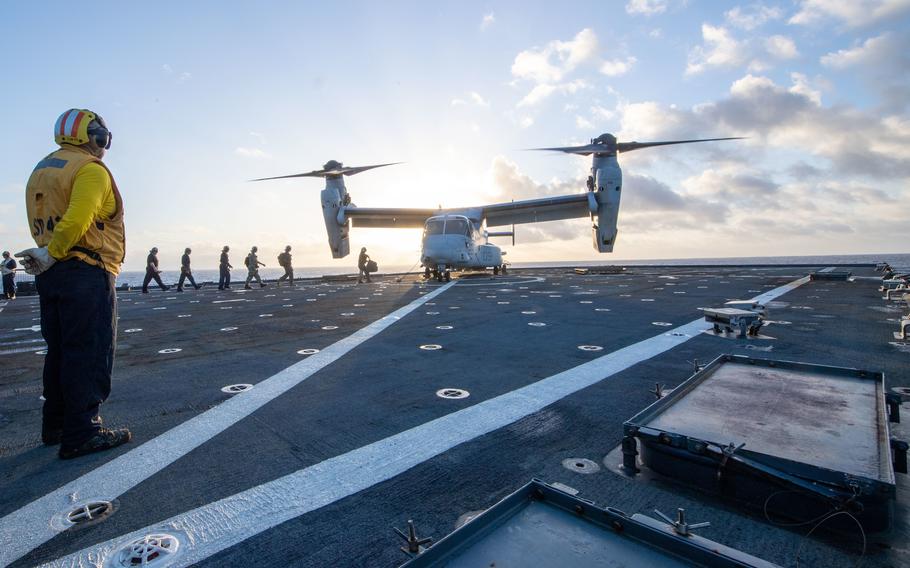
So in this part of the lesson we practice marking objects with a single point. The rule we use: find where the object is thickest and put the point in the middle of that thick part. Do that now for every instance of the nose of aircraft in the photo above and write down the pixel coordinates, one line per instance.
(443, 249)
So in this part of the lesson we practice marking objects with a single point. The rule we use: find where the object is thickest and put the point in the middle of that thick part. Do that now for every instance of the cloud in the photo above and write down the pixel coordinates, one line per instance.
(884, 63)
(548, 67)
(850, 13)
(719, 49)
(802, 86)
(552, 62)
(543, 91)
(617, 67)
(752, 17)
(646, 7)
(583, 123)
(853, 143)
(251, 152)
(474, 98)
(781, 47)
(167, 68)
(874, 51)
(487, 20)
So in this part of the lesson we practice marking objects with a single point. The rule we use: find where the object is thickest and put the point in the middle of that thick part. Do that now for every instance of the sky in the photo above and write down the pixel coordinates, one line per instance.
(202, 96)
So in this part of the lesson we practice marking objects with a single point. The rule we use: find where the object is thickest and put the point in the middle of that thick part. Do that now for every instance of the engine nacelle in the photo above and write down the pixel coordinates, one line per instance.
(607, 191)
(332, 202)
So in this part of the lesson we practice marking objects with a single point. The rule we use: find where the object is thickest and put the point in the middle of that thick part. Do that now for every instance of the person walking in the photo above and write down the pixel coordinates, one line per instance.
(362, 261)
(284, 260)
(8, 270)
(252, 266)
(185, 272)
(75, 215)
(224, 270)
(152, 272)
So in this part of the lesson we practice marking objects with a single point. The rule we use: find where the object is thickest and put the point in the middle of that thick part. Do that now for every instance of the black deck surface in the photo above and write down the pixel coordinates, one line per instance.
(388, 385)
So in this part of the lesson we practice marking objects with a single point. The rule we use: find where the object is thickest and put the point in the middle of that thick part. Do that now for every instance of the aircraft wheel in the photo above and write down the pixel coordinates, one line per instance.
(426, 273)
(495, 270)
(503, 269)
(448, 276)
(438, 276)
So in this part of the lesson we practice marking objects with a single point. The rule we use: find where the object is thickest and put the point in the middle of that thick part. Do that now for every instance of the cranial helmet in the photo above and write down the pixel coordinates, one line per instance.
(78, 126)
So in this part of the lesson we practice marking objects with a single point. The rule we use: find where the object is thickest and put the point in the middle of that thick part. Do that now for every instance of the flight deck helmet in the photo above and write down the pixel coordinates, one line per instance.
(79, 126)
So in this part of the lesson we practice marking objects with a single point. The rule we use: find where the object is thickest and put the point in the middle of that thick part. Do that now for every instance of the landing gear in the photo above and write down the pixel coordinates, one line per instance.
(495, 271)
(503, 269)
(448, 276)
(438, 275)
(426, 273)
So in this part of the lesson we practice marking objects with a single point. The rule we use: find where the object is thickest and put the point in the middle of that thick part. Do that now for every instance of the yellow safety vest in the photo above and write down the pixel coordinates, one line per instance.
(47, 197)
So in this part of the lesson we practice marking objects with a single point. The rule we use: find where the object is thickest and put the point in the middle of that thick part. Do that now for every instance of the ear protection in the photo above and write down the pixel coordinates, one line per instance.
(102, 137)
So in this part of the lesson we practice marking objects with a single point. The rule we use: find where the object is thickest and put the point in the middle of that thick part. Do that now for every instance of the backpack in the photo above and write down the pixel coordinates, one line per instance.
(246, 261)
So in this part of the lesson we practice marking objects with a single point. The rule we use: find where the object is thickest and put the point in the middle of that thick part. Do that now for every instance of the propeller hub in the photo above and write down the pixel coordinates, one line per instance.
(607, 139)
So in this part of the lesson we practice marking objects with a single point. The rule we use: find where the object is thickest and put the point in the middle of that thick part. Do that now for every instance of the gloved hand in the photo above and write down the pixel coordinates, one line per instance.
(36, 260)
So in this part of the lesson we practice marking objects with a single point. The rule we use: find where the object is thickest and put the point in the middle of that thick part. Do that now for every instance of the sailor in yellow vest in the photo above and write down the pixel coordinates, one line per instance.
(75, 215)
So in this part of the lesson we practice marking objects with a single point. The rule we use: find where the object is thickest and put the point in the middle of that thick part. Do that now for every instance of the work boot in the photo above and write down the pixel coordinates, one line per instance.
(180, 289)
(262, 285)
(104, 440)
(247, 287)
(51, 436)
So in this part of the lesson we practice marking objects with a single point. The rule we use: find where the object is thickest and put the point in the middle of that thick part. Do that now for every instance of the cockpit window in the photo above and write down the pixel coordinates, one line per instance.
(456, 227)
(434, 227)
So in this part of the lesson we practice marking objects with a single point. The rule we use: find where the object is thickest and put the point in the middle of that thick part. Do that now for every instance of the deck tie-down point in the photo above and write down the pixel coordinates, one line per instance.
(680, 526)
(415, 545)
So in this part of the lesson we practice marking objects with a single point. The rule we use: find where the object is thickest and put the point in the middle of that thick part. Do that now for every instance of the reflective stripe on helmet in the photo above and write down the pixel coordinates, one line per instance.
(76, 123)
(58, 128)
(70, 123)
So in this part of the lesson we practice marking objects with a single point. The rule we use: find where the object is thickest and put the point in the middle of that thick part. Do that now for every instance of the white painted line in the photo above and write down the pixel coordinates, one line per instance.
(217, 526)
(119, 475)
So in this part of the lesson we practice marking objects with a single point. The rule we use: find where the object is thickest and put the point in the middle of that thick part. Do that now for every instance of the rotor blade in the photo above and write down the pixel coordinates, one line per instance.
(333, 172)
(629, 146)
(314, 173)
(357, 170)
(582, 150)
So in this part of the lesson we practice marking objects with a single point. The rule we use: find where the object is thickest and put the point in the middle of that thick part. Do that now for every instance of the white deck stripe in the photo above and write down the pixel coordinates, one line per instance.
(27, 528)
(214, 527)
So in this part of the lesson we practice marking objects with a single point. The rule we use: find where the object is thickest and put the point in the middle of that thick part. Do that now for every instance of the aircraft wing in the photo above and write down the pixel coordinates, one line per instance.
(388, 217)
(543, 209)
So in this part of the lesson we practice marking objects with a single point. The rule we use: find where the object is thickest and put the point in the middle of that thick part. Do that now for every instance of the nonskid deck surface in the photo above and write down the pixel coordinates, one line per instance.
(331, 449)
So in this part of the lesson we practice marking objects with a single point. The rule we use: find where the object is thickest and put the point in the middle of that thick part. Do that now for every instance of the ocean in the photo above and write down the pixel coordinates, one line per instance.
(900, 262)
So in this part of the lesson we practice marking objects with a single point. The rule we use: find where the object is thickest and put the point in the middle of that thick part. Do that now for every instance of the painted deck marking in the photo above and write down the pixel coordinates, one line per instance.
(217, 526)
(117, 476)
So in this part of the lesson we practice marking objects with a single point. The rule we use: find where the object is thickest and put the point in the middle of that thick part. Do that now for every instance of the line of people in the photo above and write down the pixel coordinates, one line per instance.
(153, 272)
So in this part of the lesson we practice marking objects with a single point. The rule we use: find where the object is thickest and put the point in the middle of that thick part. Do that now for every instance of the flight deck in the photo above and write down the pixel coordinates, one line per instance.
(299, 426)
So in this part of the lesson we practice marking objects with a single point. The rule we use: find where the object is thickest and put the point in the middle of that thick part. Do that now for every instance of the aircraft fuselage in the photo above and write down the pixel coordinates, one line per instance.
(456, 242)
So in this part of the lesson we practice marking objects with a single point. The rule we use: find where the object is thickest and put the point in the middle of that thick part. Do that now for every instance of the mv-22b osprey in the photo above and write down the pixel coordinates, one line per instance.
(458, 239)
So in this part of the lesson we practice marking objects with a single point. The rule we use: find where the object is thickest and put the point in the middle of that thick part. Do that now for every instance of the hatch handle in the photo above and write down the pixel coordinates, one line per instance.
(893, 400)
(899, 455)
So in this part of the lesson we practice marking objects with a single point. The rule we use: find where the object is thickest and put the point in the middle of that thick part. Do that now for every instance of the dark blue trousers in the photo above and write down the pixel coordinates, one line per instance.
(79, 323)
(9, 285)
(224, 277)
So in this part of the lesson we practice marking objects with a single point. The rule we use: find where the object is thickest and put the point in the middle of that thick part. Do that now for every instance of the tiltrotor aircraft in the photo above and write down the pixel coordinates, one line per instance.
(458, 238)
